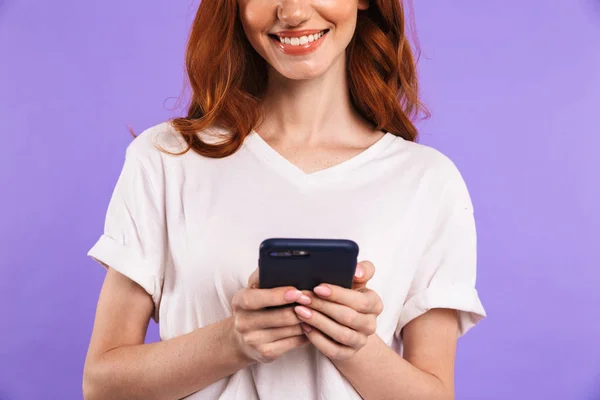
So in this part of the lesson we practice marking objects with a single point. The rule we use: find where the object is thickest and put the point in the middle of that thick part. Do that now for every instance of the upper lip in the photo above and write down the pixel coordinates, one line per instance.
(304, 32)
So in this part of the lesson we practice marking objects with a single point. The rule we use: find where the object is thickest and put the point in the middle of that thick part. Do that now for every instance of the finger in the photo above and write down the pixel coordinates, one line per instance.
(340, 333)
(328, 347)
(257, 299)
(364, 301)
(257, 338)
(248, 321)
(253, 280)
(363, 274)
(344, 315)
(272, 351)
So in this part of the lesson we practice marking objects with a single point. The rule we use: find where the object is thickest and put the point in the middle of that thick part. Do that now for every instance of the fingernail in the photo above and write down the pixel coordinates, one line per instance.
(303, 311)
(304, 299)
(306, 328)
(322, 291)
(360, 272)
(292, 295)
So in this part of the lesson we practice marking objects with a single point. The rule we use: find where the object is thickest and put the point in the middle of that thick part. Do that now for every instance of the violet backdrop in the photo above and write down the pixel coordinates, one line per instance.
(514, 88)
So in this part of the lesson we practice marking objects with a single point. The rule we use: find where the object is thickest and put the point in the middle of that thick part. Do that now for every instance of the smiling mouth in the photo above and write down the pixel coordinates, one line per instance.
(298, 40)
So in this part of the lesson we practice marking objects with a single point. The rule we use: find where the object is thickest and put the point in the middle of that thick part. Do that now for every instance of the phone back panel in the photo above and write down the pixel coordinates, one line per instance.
(330, 261)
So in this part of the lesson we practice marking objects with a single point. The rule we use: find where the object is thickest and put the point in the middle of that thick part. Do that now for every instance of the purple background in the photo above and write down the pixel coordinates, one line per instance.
(514, 87)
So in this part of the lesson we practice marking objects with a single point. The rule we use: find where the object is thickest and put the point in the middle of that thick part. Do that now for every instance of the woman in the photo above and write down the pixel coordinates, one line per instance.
(300, 126)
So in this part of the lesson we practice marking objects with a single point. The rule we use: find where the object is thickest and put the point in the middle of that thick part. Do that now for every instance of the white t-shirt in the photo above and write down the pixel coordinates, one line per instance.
(188, 228)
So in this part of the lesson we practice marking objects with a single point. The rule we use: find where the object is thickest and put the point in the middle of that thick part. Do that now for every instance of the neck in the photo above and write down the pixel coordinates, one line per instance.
(312, 110)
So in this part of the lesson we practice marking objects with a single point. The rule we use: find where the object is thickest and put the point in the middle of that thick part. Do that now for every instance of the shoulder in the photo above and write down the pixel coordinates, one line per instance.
(162, 148)
(164, 141)
(155, 141)
(429, 162)
(432, 175)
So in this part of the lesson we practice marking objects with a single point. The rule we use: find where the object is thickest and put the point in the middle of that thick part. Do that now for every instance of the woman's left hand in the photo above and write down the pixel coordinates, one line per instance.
(348, 316)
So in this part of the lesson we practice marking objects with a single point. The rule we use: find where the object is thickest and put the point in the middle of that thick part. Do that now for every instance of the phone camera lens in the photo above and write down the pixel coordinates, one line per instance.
(280, 253)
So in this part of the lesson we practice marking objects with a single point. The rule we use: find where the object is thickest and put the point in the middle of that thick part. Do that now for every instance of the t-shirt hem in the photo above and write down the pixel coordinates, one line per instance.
(109, 253)
(457, 297)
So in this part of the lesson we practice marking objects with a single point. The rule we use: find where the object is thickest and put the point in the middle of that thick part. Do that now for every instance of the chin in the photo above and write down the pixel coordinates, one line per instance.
(303, 73)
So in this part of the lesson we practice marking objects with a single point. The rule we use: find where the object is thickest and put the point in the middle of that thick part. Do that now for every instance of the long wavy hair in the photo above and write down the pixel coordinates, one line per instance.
(228, 78)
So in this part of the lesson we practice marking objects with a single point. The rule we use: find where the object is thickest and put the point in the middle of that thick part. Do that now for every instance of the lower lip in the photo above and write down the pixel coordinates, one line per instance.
(300, 50)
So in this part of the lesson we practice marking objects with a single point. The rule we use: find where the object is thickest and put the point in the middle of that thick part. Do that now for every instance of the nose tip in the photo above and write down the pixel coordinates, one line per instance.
(293, 12)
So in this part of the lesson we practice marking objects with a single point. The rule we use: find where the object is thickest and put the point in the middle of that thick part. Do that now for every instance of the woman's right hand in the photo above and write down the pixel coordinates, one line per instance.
(264, 335)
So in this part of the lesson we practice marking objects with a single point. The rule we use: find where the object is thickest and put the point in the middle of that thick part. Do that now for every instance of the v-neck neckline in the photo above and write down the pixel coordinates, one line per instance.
(292, 172)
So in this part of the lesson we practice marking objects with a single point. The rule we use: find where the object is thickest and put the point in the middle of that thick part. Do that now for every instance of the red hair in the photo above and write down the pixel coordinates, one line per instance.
(228, 77)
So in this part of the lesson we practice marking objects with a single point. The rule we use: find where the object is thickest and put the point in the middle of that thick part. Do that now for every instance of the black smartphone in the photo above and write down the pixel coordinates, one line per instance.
(306, 263)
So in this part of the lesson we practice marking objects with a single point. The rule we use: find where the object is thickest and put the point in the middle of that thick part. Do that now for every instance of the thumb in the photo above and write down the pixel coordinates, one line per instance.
(253, 280)
(364, 272)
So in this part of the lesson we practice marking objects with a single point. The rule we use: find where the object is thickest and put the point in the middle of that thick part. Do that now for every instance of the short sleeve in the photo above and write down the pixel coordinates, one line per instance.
(134, 239)
(446, 270)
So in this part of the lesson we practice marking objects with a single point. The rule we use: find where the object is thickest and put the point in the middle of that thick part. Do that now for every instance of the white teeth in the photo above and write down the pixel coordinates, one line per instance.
(297, 41)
